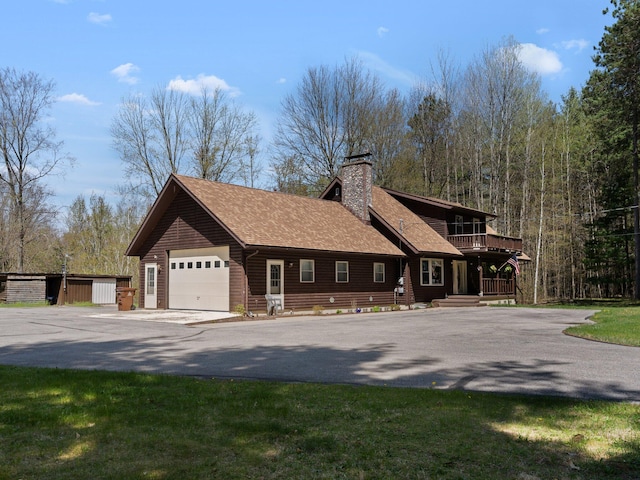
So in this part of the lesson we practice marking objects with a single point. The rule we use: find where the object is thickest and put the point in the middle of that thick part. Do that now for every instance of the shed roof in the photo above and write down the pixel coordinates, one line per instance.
(444, 204)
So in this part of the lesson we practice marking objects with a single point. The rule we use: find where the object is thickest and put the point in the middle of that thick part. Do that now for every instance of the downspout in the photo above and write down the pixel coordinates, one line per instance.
(246, 279)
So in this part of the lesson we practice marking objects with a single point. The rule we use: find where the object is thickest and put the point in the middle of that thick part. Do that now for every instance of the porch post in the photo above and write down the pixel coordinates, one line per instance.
(480, 275)
(408, 285)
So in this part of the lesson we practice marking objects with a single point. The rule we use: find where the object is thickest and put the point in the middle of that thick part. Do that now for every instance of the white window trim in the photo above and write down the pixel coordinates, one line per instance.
(459, 225)
(430, 262)
(313, 270)
(384, 276)
(477, 226)
(341, 262)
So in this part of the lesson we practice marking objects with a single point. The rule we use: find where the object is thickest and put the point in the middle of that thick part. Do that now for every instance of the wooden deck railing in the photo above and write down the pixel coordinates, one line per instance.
(498, 286)
(485, 241)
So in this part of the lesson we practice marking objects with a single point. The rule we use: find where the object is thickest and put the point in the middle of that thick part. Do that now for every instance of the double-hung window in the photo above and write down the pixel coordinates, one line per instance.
(342, 272)
(431, 271)
(307, 271)
(378, 272)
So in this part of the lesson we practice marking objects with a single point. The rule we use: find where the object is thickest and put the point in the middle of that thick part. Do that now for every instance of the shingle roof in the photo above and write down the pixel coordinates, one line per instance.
(414, 231)
(272, 219)
(440, 202)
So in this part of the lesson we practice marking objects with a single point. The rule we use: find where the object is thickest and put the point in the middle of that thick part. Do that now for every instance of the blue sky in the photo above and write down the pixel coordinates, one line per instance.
(98, 51)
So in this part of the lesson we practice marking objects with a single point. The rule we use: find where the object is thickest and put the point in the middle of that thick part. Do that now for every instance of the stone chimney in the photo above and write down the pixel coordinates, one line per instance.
(357, 179)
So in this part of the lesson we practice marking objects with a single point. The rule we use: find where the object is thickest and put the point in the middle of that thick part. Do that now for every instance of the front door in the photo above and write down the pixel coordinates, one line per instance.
(460, 277)
(151, 286)
(275, 279)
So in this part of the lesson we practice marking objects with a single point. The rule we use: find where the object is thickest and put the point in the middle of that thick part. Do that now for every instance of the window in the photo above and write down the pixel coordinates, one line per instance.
(477, 226)
(198, 264)
(173, 265)
(307, 271)
(207, 264)
(342, 272)
(189, 264)
(459, 225)
(378, 272)
(226, 264)
(431, 271)
(216, 264)
(181, 265)
(151, 280)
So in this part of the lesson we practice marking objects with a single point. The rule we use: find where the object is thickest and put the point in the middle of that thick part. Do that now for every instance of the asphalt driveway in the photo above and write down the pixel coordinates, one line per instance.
(479, 349)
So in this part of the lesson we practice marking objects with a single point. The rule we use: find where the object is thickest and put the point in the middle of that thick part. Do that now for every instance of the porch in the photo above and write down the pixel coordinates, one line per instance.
(473, 300)
(484, 242)
(498, 286)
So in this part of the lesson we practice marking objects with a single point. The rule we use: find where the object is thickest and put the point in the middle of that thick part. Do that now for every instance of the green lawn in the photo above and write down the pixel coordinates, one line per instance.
(613, 324)
(61, 424)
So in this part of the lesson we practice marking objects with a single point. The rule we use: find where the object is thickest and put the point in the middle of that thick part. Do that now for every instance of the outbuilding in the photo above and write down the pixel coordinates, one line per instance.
(59, 288)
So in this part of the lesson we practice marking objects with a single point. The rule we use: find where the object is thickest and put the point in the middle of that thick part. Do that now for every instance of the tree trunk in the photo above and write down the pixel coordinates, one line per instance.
(541, 220)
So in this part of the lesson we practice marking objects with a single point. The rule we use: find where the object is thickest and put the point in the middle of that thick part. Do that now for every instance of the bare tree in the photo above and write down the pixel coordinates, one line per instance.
(327, 118)
(29, 150)
(386, 139)
(98, 233)
(149, 134)
(497, 87)
(172, 133)
(429, 128)
(252, 168)
(220, 132)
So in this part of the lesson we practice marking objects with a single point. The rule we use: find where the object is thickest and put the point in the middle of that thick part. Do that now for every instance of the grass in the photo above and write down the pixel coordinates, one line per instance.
(61, 424)
(614, 323)
(44, 304)
(24, 304)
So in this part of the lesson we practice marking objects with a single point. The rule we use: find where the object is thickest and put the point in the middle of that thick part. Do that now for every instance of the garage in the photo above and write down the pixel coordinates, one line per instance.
(199, 279)
(103, 291)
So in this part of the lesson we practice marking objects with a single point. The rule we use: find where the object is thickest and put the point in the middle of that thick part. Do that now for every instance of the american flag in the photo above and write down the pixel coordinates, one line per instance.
(513, 261)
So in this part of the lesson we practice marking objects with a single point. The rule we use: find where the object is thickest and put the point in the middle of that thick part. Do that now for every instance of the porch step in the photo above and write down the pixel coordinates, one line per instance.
(459, 301)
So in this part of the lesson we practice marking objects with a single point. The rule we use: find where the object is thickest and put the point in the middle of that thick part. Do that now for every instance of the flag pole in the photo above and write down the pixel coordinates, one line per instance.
(502, 266)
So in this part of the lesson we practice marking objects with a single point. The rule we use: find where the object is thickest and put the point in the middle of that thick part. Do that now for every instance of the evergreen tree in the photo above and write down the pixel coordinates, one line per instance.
(612, 95)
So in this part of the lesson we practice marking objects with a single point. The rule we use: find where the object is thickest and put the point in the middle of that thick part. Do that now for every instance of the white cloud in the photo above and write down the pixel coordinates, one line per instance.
(99, 18)
(195, 86)
(281, 80)
(382, 31)
(374, 62)
(77, 98)
(539, 59)
(125, 73)
(579, 45)
(542, 31)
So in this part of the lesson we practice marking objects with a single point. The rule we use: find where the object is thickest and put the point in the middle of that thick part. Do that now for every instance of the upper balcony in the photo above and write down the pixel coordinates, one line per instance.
(485, 242)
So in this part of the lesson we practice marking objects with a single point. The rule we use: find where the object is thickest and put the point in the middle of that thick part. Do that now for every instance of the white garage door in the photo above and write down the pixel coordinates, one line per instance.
(199, 279)
(103, 291)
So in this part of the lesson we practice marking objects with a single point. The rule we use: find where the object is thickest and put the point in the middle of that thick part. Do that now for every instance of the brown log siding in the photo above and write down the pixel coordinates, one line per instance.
(186, 225)
(426, 294)
(25, 288)
(304, 296)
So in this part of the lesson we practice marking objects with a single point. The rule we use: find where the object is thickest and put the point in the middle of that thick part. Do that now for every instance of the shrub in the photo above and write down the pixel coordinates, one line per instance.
(317, 309)
(239, 309)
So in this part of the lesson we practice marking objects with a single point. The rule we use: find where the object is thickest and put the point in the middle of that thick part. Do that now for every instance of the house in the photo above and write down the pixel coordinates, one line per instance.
(459, 255)
(212, 246)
